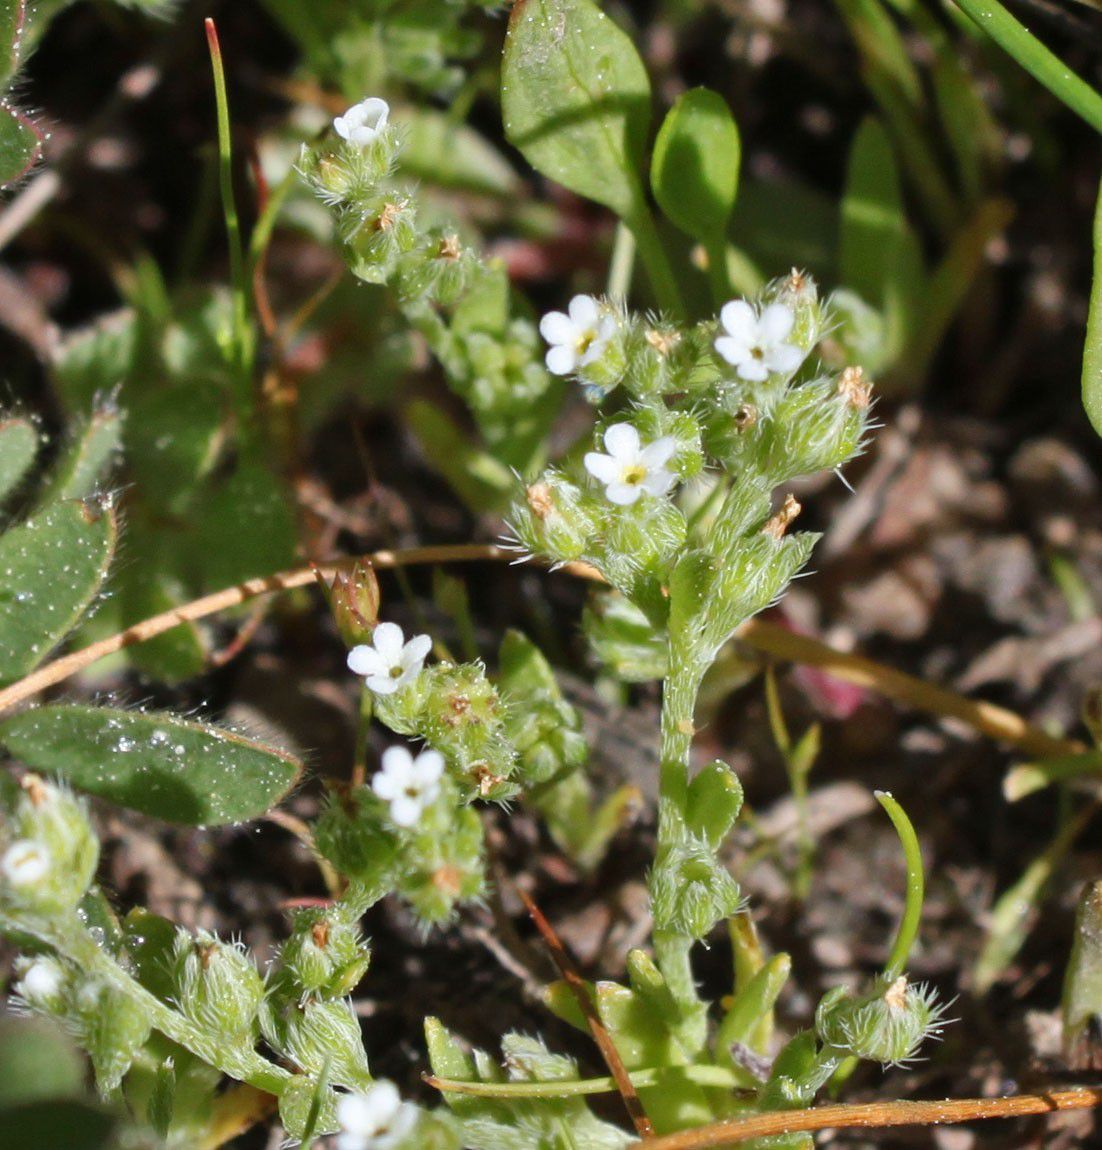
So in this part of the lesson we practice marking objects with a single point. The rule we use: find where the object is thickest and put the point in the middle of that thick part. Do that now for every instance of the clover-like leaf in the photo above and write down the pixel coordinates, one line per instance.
(161, 765)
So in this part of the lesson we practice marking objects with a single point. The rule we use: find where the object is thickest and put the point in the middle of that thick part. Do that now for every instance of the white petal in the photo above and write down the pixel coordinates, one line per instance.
(658, 452)
(375, 112)
(658, 482)
(584, 312)
(734, 351)
(365, 660)
(405, 810)
(739, 320)
(342, 127)
(784, 357)
(356, 1115)
(775, 323)
(416, 650)
(363, 135)
(397, 760)
(561, 359)
(556, 327)
(622, 441)
(428, 767)
(753, 370)
(623, 494)
(382, 684)
(602, 467)
(386, 786)
(388, 640)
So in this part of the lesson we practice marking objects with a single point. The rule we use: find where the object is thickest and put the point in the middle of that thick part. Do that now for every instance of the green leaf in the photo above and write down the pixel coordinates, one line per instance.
(87, 458)
(58, 1122)
(158, 764)
(12, 15)
(172, 440)
(18, 447)
(695, 167)
(477, 477)
(52, 565)
(576, 99)
(1092, 352)
(37, 1062)
(20, 144)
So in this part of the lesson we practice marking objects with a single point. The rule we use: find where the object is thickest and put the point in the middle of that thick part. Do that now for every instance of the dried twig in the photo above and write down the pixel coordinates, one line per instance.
(878, 1114)
(601, 1036)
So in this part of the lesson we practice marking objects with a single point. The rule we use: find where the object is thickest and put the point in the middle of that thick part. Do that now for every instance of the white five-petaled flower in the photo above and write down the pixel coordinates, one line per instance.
(41, 981)
(389, 663)
(577, 336)
(363, 122)
(408, 784)
(755, 344)
(25, 863)
(378, 1119)
(629, 468)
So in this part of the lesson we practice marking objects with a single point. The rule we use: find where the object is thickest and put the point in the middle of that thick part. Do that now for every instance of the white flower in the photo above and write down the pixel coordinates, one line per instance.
(375, 1120)
(389, 662)
(755, 344)
(25, 863)
(41, 981)
(629, 469)
(577, 338)
(363, 122)
(409, 784)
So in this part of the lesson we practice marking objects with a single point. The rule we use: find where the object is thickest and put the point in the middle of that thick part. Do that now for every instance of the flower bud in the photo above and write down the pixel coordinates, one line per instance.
(324, 956)
(886, 1025)
(216, 986)
(317, 1035)
(443, 864)
(112, 1027)
(690, 890)
(555, 519)
(42, 983)
(380, 237)
(353, 597)
(50, 859)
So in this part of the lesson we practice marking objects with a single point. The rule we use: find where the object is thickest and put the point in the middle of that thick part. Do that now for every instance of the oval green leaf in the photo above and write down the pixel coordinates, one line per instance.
(158, 764)
(576, 99)
(695, 168)
(51, 567)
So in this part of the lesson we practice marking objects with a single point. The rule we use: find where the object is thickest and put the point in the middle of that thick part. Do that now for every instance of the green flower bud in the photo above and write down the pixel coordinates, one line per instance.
(348, 176)
(380, 237)
(324, 956)
(352, 833)
(297, 1102)
(216, 986)
(690, 890)
(43, 983)
(444, 864)
(112, 1027)
(886, 1025)
(798, 291)
(640, 544)
(316, 1035)
(556, 519)
(49, 853)
(540, 723)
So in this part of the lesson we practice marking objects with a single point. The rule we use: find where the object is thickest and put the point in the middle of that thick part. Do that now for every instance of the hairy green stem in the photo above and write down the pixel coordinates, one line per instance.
(242, 1063)
(719, 1076)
